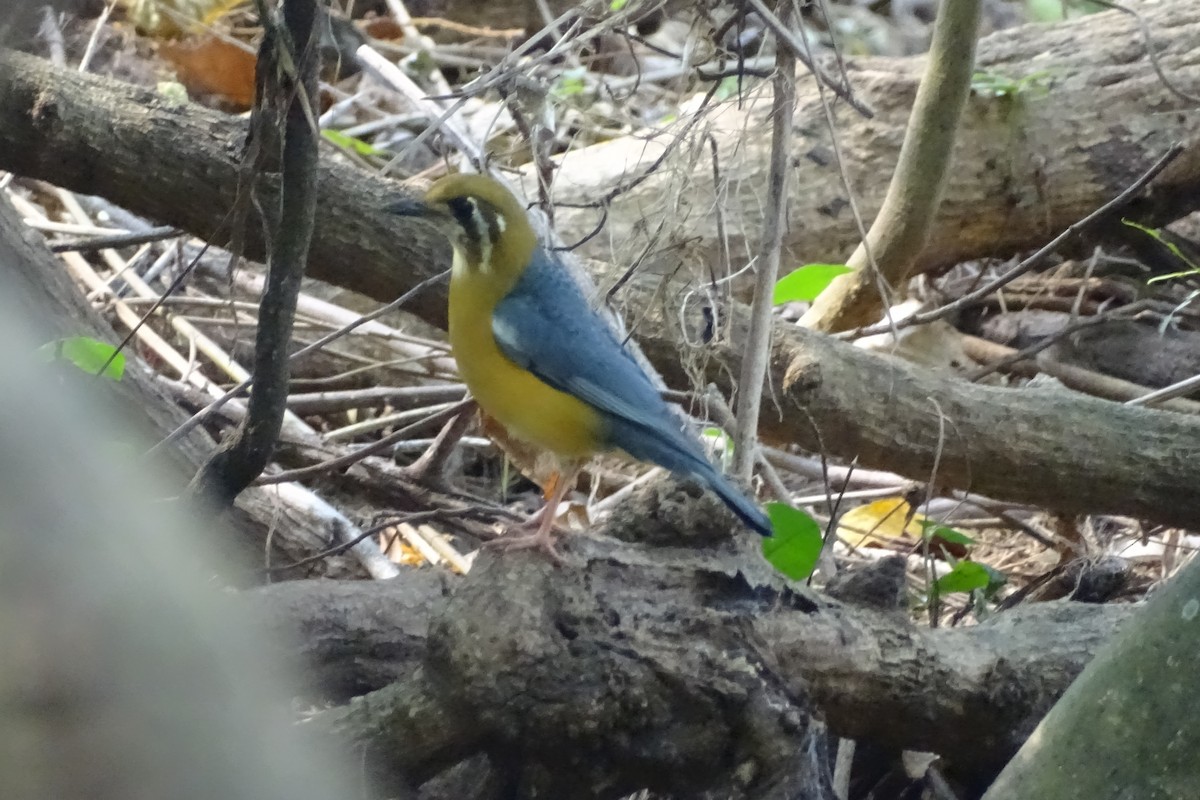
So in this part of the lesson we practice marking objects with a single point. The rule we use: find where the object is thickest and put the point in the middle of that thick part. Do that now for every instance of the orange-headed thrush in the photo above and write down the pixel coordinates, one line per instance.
(538, 358)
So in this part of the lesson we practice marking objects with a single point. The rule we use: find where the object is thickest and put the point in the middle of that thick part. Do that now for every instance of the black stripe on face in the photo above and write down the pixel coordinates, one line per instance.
(463, 209)
(494, 226)
(481, 229)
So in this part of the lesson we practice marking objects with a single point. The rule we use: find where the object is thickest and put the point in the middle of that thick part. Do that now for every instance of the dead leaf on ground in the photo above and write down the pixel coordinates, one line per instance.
(893, 524)
(213, 67)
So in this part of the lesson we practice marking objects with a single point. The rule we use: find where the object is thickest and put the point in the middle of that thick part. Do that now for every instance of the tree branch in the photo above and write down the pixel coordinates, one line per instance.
(899, 233)
(766, 270)
(284, 121)
(515, 631)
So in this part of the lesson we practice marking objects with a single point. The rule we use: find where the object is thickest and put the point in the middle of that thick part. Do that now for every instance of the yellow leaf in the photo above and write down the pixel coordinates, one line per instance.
(883, 522)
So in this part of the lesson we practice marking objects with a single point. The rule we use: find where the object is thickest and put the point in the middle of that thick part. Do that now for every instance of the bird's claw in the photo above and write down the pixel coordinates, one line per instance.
(542, 540)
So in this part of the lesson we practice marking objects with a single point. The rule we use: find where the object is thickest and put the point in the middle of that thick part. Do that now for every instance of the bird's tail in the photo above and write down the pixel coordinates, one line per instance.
(737, 501)
(673, 450)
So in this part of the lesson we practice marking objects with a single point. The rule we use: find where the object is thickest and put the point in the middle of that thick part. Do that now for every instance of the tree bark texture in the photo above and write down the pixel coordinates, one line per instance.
(1070, 453)
(1133, 710)
(656, 643)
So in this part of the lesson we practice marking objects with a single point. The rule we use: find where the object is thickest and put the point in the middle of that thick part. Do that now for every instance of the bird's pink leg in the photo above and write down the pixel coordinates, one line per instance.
(542, 523)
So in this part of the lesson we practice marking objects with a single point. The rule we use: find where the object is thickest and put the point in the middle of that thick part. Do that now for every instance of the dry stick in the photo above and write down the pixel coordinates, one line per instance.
(117, 240)
(198, 341)
(49, 226)
(779, 26)
(94, 39)
(420, 40)
(430, 466)
(433, 354)
(372, 424)
(480, 84)
(758, 347)
(843, 763)
(342, 399)
(443, 118)
(393, 76)
(215, 405)
(724, 417)
(1037, 258)
(473, 31)
(52, 35)
(1185, 386)
(902, 227)
(377, 565)
(287, 64)
(82, 271)
(1110, 388)
(844, 178)
(363, 452)
(359, 538)
(440, 544)
(291, 494)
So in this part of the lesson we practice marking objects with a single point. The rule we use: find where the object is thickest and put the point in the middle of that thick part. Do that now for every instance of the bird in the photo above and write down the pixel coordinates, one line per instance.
(538, 357)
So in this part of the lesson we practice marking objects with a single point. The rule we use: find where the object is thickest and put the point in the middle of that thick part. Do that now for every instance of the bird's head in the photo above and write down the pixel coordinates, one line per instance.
(486, 224)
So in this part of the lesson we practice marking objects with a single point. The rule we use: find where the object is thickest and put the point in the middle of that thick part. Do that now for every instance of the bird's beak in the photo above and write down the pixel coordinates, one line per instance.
(411, 207)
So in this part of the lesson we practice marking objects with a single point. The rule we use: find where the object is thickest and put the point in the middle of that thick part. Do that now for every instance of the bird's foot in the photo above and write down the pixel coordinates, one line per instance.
(519, 537)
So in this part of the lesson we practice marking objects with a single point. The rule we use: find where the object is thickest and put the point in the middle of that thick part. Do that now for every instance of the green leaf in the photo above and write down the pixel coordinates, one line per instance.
(993, 84)
(1157, 236)
(617, 5)
(728, 87)
(807, 282)
(718, 435)
(173, 93)
(796, 543)
(88, 354)
(933, 530)
(1057, 10)
(996, 580)
(570, 83)
(965, 577)
(351, 143)
(722, 443)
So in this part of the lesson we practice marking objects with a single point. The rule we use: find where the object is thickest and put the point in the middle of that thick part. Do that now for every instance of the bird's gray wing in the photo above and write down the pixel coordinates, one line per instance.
(546, 326)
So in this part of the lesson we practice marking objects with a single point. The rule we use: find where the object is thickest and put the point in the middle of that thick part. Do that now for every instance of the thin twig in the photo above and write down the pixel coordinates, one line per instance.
(117, 240)
(798, 52)
(448, 124)
(851, 195)
(365, 426)
(362, 452)
(203, 413)
(1148, 46)
(415, 37)
(1037, 347)
(1177, 389)
(94, 39)
(758, 344)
